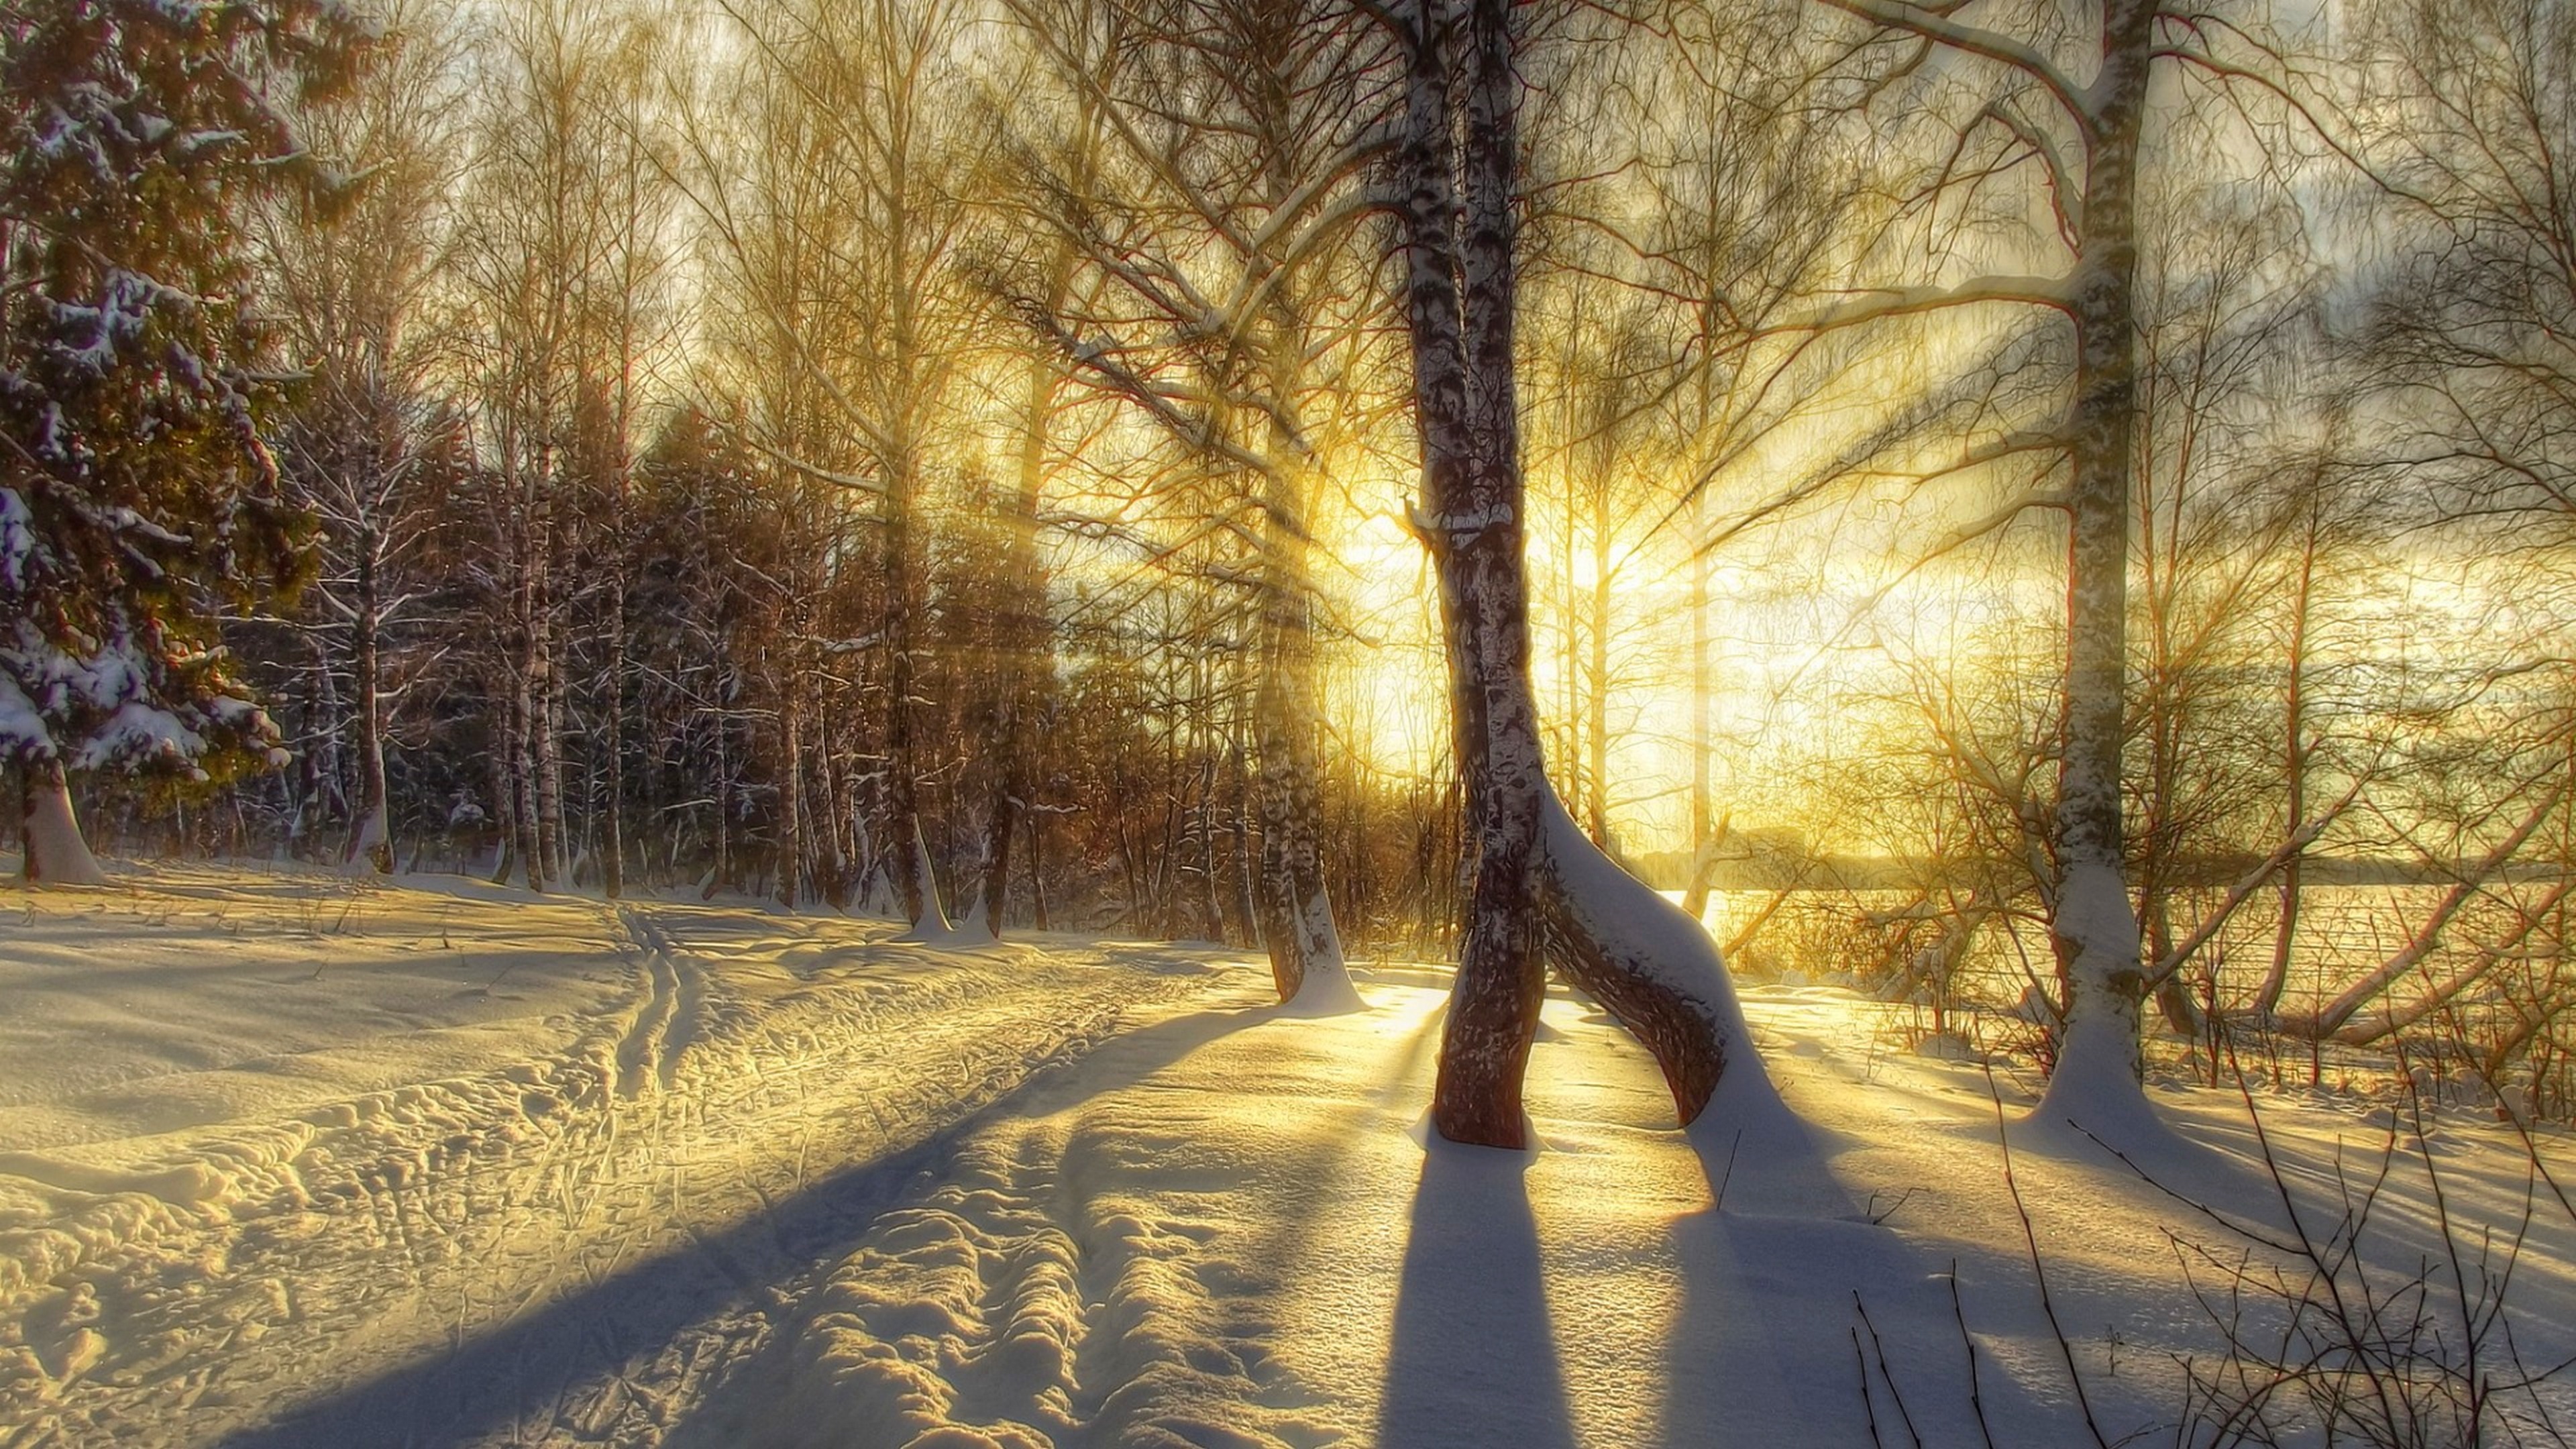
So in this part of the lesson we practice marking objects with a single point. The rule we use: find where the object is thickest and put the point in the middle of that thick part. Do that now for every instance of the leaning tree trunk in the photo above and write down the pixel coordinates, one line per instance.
(2093, 928)
(1636, 953)
(49, 834)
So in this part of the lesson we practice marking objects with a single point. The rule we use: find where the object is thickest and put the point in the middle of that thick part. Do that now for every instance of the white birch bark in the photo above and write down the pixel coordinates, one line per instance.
(2094, 928)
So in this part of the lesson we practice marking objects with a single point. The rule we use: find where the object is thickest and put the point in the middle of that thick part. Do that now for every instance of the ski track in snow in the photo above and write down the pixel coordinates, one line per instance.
(767, 1180)
(564, 1250)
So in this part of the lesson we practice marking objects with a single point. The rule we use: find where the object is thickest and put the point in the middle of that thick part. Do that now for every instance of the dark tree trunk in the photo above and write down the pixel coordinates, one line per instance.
(1633, 951)
(791, 791)
(1023, 657)
(612, 863)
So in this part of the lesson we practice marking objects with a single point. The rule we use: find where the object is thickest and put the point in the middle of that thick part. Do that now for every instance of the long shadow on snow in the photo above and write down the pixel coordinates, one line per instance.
(533, 1365)
(1473, 1361)
(1762, 1351)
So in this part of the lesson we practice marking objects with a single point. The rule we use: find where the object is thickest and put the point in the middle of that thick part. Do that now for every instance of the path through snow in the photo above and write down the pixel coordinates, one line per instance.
(556, 1230)
(729, 1178)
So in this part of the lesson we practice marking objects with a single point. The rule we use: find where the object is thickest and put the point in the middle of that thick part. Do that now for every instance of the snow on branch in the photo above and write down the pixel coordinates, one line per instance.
(1937, 26)
(1877, 304)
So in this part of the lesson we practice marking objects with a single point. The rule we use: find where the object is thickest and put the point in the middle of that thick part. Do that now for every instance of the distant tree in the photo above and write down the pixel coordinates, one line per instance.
(2063, 97)
(359, 442)
(135, 494)
(835, 244)
(558, 255)
(1228, 140)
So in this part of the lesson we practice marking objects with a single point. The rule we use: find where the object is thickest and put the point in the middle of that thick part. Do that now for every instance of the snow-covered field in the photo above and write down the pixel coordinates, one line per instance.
(284, 1161)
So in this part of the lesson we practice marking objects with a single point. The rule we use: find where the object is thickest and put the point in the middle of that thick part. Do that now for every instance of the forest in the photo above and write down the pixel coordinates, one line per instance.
(2051, 522)
(987, 465)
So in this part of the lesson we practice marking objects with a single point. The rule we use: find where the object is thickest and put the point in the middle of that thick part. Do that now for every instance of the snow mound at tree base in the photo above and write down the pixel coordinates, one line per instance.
(796, 1184)
(1234, 1229)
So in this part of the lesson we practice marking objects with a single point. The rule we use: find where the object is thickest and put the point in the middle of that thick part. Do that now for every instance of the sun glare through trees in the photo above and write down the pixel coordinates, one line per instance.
(2051, 520)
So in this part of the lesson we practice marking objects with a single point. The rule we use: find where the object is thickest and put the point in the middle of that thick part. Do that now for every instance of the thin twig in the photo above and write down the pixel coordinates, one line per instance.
(2030, 1237)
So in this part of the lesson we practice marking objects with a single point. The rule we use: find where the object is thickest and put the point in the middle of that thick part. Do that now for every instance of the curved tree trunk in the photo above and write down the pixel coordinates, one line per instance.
(50, 834)
(1534, 874)
(1648, 962)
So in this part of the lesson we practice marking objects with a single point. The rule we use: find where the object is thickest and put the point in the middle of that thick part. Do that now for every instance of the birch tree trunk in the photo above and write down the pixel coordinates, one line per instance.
(1295, 905)
(549, 732)
(1652, 967)
(2094, 929)
(505, 789)
(370, 837)
(523, 761)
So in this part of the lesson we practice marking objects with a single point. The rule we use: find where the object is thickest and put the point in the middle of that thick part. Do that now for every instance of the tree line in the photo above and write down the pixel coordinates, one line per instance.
(2039, 489)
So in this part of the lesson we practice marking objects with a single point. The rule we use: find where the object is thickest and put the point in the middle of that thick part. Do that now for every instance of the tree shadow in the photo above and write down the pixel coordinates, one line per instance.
(542, 1366)
(1473, 1359)
(1783, 1233)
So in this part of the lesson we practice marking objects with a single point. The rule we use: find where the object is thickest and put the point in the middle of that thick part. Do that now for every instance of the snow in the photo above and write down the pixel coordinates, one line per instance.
(22, 729)
(138, 731)
(17, 537)
(295, 1159)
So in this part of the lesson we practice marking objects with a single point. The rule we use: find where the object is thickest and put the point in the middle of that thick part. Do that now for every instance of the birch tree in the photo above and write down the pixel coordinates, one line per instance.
(1233, 137)
(2063, 97)
(352, 295)
(1538, 885)
(861, 111)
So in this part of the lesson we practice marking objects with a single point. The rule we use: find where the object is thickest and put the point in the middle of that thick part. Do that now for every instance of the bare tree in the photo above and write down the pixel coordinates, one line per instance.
(358, 449)
(862, 114)
(1538, 883)
(1231, 140)
(2064, 97)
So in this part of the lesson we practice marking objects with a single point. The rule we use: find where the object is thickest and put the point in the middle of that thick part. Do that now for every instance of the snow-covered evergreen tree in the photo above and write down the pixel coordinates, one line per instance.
(134, 492)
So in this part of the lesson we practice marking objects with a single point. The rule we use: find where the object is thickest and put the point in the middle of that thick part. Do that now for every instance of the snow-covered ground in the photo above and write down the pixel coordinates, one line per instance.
(283, 1161)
